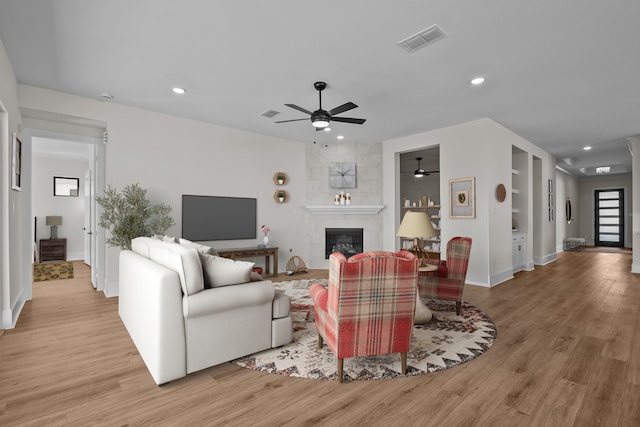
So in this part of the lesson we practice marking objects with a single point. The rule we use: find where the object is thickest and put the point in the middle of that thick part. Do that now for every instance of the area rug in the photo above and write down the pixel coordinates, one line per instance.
(447, 341)
(55, 271)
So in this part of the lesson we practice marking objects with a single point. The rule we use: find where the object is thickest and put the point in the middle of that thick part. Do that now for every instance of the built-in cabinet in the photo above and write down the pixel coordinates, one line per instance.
(519, 251)
(519, 207)
(431, 245)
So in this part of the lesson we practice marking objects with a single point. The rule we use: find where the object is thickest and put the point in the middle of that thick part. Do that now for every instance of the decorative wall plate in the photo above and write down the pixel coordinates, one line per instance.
(501, 193)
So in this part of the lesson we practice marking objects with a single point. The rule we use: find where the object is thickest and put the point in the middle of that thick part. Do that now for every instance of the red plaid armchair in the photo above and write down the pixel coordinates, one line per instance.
(369, 305)
(448, 282)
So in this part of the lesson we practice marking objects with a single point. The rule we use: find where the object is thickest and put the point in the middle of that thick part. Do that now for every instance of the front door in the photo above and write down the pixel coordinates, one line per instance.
(609, 215)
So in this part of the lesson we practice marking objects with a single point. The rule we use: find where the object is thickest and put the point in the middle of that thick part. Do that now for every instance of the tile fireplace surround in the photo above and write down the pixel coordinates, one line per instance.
(366, 206)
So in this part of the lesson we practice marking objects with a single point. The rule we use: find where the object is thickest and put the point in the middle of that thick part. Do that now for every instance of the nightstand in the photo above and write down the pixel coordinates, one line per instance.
(53, 250)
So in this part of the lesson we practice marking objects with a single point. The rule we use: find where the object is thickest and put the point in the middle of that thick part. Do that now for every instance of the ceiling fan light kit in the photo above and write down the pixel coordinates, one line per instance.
(320, 118)
(418, 173)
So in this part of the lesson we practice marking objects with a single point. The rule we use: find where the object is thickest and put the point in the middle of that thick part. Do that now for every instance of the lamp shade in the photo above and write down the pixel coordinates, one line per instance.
(54, 220)
(416, 224)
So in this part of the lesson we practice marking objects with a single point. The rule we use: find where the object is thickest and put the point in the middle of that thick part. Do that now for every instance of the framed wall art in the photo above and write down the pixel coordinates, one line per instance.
(16, 163)
(462, 198)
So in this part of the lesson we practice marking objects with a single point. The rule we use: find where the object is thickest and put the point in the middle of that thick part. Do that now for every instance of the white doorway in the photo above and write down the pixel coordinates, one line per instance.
(90, 240)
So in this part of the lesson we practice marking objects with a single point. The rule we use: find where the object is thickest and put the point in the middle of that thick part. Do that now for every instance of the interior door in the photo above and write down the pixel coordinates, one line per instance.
(88, 215)
(609, 217)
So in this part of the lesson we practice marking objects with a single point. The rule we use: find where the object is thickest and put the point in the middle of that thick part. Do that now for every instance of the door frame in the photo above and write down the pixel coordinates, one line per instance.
(621, 216)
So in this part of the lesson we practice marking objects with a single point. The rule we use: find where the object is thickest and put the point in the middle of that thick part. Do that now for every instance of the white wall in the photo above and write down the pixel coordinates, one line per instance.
(71, 209)
(480, 149)
(170, 156)
(567, 187)
(13, 292)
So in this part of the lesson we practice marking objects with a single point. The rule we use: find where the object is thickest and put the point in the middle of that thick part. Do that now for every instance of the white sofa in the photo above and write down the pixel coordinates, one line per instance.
(179, 326)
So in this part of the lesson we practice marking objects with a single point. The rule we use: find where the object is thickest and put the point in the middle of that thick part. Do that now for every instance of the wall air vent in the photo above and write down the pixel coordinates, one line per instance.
(423, 38)
(270, 113)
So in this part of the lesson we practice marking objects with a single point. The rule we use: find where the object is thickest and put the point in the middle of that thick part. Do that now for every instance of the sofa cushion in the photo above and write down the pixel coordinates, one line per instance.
(220, 271)
(141, 245)
(198, 247)
(281, 305)
(182, 260)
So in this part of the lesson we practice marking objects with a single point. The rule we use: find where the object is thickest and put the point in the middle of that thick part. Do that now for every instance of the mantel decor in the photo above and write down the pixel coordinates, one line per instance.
(344, 210)
(462, 195)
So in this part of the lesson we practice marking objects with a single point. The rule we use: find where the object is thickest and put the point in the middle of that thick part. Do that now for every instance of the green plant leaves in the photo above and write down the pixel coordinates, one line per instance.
(129, 214)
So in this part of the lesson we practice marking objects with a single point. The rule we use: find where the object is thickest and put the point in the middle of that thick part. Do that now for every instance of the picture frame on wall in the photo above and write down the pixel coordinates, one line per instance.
(462, 198)
(16, 163)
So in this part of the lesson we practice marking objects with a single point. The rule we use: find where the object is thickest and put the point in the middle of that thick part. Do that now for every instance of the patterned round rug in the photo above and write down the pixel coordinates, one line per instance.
(447, 341)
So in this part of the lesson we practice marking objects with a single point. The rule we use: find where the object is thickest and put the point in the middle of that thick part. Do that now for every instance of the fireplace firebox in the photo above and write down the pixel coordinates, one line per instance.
(345, 240)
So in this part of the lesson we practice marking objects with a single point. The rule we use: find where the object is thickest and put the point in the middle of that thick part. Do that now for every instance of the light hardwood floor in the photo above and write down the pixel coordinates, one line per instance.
(566, 354)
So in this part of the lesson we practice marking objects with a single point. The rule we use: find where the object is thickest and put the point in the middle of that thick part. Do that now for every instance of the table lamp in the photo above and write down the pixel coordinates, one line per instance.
(416, 225)
(54, 222)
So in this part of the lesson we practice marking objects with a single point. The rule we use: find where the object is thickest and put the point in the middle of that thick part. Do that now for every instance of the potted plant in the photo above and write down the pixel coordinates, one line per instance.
(280, 178)
(281, 196)
(129, 214)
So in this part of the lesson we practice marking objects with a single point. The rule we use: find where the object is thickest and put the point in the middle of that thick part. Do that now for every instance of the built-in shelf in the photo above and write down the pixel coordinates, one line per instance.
(344, 209)
(515, 172)
(515, 191)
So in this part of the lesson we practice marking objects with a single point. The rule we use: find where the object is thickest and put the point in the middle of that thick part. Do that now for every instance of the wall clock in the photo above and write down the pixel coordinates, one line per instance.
(342, 175)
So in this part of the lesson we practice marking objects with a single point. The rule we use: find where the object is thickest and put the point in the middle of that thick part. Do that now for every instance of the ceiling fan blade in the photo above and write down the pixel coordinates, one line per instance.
(342, 108)
(348, 120)
(295, 107)
(294, 120)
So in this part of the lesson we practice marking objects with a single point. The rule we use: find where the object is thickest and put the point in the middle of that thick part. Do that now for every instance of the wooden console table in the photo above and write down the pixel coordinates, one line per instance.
(53, 250)
(267, 253)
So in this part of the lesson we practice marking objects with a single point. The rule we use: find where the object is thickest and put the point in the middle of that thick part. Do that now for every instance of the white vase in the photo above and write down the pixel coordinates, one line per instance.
(265, 240)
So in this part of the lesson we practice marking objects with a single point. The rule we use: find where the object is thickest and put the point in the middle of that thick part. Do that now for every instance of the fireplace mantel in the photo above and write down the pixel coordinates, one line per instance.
(344, 210)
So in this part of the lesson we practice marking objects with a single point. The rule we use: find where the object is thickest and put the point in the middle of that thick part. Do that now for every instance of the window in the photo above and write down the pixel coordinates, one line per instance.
(66, 187)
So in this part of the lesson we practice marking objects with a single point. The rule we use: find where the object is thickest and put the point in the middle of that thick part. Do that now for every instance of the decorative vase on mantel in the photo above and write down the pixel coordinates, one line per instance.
(265, 240)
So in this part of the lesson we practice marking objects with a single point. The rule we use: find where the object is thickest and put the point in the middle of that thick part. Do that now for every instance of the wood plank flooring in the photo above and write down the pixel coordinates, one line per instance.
(567, 354)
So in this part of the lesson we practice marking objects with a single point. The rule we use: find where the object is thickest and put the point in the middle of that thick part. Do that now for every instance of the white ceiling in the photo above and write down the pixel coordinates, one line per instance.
(562, 74)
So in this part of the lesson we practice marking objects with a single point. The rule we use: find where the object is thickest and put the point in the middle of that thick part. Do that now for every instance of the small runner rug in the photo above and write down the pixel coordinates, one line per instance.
(447, 341)
(59, 270)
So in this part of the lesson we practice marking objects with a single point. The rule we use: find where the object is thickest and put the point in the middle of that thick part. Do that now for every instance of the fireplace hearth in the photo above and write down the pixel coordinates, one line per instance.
(348, 241)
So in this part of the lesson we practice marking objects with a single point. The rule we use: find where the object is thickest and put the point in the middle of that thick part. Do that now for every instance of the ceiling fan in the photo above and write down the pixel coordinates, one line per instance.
(419, 173)
(321, 118)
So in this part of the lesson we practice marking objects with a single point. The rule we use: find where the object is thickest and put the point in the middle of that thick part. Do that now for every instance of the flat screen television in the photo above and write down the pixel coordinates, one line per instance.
(218, 218)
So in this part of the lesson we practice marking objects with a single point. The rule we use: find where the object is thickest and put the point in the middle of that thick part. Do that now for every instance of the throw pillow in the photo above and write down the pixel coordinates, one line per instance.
(422, 314)
(182, 260)
(220, 271)
(202, 249)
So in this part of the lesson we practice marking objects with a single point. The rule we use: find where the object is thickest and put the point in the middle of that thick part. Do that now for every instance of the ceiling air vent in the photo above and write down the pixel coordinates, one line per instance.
(423, 38)
(270, 113)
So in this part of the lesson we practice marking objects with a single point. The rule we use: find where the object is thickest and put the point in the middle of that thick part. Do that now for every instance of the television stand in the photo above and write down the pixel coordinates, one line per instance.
(267, 253)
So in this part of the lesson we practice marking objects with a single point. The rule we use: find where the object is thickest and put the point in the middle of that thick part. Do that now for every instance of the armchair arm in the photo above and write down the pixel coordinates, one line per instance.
(319, 295)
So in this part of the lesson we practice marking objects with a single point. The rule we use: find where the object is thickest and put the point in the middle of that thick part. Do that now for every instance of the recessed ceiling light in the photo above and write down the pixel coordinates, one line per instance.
(587, 148)
(340, 137)
(179, 90)
(327, 129)
(477, 81)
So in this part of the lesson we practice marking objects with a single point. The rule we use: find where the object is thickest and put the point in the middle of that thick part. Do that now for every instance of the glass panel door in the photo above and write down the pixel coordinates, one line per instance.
(609, 215)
